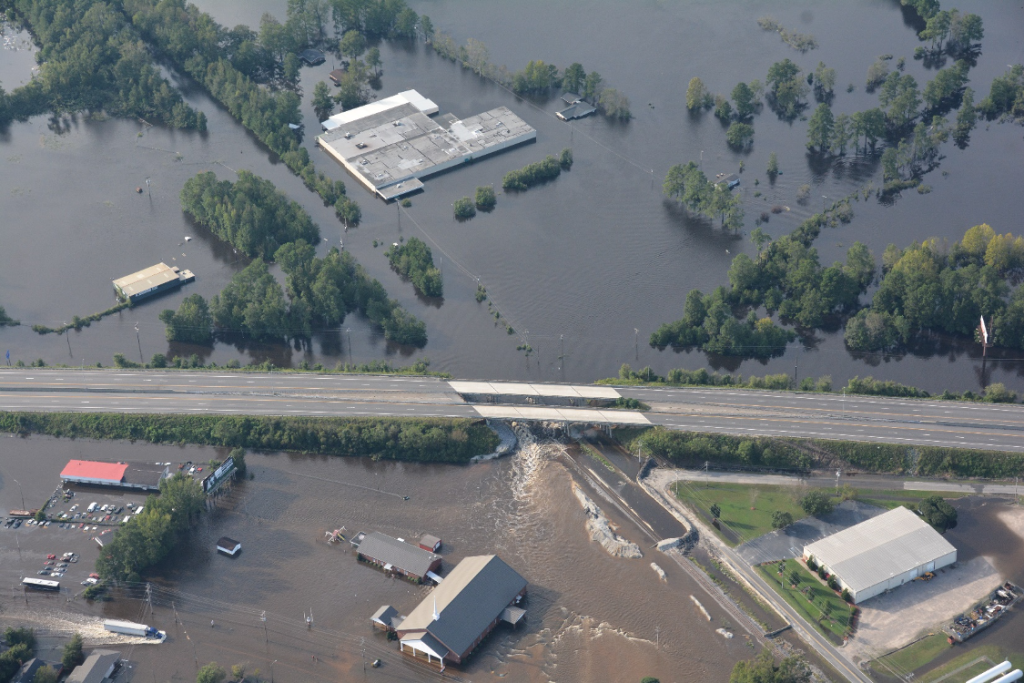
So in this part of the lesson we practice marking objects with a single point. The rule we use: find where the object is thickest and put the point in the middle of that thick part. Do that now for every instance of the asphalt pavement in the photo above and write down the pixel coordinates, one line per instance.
(750, 412)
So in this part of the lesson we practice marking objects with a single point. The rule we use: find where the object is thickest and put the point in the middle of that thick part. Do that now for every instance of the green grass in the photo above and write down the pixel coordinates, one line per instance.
(836, 625)
(994, 653)
(895, 498)
(914, 656)
(596, 455)
(746, 509)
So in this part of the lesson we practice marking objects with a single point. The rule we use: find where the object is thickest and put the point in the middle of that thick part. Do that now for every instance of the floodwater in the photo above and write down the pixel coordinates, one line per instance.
(591, 617)
(577, 264)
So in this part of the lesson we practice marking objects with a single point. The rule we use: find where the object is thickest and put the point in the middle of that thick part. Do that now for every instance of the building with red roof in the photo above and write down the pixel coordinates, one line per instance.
(127, 475)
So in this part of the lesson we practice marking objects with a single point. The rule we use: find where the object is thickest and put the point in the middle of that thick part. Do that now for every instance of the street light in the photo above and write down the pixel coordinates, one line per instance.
(22, 493)
(272, 670)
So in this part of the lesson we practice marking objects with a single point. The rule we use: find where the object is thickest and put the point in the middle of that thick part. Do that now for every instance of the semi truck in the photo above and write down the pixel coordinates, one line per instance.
(130, 628)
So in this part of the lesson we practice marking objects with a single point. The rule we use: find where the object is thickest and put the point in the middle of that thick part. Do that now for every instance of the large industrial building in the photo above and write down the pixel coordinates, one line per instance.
(882, 553)
(390, 144)
(457, 615)
(133, 475)
(151, 281)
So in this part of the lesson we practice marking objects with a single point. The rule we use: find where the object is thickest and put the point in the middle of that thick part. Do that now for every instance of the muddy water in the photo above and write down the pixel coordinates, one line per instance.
(580, 262)
(591, 617)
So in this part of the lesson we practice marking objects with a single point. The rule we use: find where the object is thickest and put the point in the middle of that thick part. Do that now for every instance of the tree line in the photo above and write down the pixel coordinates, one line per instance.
(537, 173)
(414, 260)
(450, 440)
(151, 535)
(688, 185)
(92, 60)
(939, 288)
(262, 222)
(536, 77)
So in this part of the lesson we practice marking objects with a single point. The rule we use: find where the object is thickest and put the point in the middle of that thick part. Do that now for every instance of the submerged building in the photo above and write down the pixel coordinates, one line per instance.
(391, 144)
(455, 617)
(151, 281)
(882, 553)
(135, 475)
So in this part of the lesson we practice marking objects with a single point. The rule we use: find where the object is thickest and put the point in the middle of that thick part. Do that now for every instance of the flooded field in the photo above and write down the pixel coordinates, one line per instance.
(590, 616)
(579, 263)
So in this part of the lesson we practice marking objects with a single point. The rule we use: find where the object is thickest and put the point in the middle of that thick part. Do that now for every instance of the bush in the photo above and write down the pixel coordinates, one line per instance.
(533, 174)
(998, 393)
(939, 513)
(485, 199)
(415, 261)
(464, 208)
(846, 595)
(817, 503)
(739, 134)
(565, 159)
(781, 519)
(811, 564)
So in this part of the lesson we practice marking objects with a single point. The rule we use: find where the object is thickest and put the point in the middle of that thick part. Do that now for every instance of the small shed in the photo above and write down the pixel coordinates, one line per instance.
(728, 182)
(431, 544)
(312, 57)
(386, 618)
(336, 76)
(229, 546)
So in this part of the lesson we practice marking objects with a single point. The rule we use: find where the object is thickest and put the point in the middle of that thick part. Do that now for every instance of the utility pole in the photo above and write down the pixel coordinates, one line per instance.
(839, 473)
(67, 337)
(707, 464)
(561, 351)
(844, 403)
(149, 597)
(657, 636)
(263, 618)
(22, 493)
(148, 191)
(175, 609)
(636, 343)
(139, 340)
(272, 670)
(795, 370)
(399, 207)
(362, 644)
(348, 331)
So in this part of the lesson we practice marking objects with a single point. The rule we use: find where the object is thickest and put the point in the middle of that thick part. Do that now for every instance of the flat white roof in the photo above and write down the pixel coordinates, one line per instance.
(423, 104)
(524, 389)
(880, 548)
(146, 279)
(563, 414)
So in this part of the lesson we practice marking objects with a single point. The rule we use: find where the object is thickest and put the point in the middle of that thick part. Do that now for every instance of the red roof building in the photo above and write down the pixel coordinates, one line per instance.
(92, 472)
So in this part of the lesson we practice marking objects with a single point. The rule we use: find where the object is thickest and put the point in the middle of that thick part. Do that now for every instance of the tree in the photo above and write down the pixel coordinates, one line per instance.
(716, 511)
(290, 67)
(323, 103)
(773, 165)
(614, 104)
(760, 238)
(965, 118)
(238, 672)
(817, 503)
(649, 679)
(485, 199)
(824, 80)
(697, 94)
(348, 212)
(787, 88)
(939, 513)
(842, 132)
(819, 128)
(464, 208)
(565, 159)
(405, 23)
(763, 669)
(45, 674)
(794, 578)
(352, 44)
(781, 519)
(373, 60)
(739, 134)
(574, 77)
(427, 26)
(846, 595)
(211, 673)
(743, 96)
(252, 304)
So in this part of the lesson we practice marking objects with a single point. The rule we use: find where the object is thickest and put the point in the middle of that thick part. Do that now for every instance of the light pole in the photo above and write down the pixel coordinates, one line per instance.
(823, 198)
(139, 340)
(348, 331)
(22, 493)
(272, 670)
(636, 343)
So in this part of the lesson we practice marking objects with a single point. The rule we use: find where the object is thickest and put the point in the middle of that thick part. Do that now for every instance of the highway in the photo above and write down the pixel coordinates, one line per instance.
(743, 412)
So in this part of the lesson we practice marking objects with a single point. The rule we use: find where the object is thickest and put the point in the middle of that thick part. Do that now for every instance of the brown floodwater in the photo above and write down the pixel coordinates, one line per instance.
(579, 263)
(590, 616)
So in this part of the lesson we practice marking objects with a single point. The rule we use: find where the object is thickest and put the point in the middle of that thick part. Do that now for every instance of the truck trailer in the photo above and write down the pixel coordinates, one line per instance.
(130, 628)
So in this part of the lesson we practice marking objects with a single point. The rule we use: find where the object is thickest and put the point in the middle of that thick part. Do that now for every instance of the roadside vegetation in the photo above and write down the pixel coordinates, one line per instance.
(816, 602)
(914, 656)
(764, 669)
(427, 439)
(414, 260)
(693, 449)
(993, 653)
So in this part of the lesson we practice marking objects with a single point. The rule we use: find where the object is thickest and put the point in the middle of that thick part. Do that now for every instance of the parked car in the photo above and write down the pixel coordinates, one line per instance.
(43, 572)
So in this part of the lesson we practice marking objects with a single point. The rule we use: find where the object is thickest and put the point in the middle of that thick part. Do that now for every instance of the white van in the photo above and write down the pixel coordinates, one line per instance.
(91, 508)
(139, 510)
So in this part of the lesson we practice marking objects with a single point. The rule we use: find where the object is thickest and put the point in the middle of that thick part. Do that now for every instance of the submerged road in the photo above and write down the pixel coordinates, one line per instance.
(742, 412)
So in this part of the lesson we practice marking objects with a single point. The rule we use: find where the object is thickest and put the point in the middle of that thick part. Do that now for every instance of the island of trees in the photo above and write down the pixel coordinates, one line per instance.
(250, 214)
(538, 172)
(415, 261)
(690, 186)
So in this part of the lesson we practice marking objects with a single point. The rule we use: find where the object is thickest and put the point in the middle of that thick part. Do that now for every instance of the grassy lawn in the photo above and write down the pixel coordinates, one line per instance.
(914, 656)
(993, 654)
(746, 510)
(893, 499)
(810, 604)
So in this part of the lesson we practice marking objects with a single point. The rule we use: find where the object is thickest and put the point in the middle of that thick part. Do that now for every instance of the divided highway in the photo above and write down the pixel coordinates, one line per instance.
(829, 416)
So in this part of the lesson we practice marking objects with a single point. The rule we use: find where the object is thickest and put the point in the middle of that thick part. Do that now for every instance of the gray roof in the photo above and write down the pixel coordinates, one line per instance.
(882, 547)
(27, 672)
(473, 595)
(407, 556)
(146, 279)
(95, 667)
(386, 615)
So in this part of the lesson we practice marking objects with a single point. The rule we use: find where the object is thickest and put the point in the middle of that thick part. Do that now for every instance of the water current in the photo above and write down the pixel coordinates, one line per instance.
(578, 264)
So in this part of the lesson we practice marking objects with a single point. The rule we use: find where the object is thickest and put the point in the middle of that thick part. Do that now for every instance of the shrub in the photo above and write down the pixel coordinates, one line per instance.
(533, 174)
(781, 519)
(485, 199)
(846, 595)
(464, 208)
(817, 503)
(811, 563)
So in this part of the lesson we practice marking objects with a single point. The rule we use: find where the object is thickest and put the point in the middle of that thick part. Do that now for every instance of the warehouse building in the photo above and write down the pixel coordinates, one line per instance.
(882, 553)
(391, 144)
(133, 475)
(151, 281)
(450, 623)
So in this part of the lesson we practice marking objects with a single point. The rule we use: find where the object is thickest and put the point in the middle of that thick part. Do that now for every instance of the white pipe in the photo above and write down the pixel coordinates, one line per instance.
(997, 670)
(1015, 675)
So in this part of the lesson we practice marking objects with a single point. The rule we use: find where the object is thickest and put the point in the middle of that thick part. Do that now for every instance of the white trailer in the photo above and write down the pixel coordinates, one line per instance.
(130, 628)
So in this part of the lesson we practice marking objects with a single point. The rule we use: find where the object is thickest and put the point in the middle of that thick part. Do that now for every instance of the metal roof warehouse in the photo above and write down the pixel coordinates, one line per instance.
(135, 475)
(882, 553)
(457, 615)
